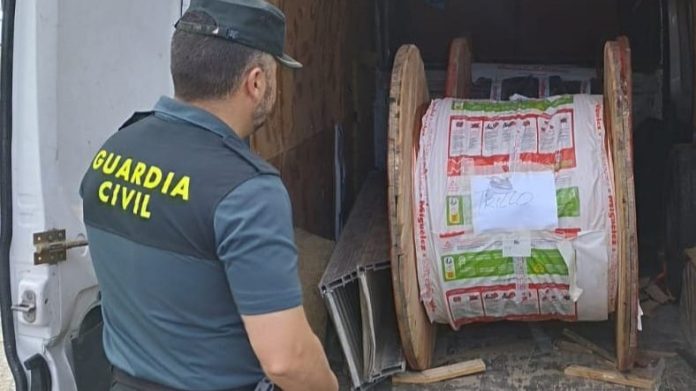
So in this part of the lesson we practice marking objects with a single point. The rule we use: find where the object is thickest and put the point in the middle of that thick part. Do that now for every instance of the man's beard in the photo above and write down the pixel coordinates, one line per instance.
(263, 110)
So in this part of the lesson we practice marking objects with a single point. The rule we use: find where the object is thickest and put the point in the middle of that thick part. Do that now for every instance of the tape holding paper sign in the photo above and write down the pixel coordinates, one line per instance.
(513, 217)
(518, 245)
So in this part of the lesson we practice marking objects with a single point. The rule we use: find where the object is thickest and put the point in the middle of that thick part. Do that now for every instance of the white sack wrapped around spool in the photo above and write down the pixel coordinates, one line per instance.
(514, 211)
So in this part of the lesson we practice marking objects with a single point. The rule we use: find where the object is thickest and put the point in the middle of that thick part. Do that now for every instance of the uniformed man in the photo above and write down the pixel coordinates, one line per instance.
(191, 233)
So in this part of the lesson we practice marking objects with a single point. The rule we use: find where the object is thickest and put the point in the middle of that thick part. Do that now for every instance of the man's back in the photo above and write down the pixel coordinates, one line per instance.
(191, 234)
(167, 296)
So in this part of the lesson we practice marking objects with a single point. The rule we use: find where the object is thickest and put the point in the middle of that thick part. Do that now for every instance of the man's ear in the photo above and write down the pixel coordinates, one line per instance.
(255, 84)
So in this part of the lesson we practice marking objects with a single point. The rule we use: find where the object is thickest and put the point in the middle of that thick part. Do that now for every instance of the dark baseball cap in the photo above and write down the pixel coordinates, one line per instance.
(252, 23)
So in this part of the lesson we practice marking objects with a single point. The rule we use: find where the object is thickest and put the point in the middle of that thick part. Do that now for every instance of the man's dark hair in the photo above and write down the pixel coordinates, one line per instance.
(205, 67)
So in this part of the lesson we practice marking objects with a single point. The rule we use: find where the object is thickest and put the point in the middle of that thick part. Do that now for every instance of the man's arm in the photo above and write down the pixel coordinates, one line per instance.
(255, 241)
(291, 355)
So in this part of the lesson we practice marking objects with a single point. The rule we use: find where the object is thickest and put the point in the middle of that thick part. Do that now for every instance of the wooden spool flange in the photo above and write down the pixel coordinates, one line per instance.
(618, 107)
(458, 84)
(409, 99)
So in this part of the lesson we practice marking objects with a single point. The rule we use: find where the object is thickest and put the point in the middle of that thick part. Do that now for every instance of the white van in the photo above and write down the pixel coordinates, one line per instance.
(73, 70)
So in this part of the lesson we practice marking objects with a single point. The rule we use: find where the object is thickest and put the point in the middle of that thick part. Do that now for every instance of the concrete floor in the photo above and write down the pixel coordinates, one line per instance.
(521, 356)
(6, 382)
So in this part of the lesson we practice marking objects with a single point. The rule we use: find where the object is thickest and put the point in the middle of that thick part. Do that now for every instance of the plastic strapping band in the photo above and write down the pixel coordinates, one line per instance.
(521, 284)
(565, 247)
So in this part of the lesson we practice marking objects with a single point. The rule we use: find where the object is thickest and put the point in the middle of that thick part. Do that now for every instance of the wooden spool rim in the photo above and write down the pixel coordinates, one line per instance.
(458, 84)
(417, 333)
(618, 108)
(408, 98)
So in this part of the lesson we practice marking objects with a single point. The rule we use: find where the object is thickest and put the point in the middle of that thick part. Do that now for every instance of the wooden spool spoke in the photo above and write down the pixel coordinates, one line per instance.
(409, 96)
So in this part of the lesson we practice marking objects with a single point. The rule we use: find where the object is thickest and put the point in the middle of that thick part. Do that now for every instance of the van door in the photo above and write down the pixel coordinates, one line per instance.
(72, 72)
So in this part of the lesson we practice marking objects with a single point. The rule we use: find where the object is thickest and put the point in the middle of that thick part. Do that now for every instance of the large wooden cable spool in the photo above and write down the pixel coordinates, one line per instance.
(409, 98)
(408, 102)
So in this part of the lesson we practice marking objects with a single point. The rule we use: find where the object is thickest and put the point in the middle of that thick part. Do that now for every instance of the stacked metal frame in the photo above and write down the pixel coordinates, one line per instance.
(358, 292)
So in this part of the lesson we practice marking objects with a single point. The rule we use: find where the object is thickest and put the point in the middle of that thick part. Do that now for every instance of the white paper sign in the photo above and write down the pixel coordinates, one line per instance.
(514, 202)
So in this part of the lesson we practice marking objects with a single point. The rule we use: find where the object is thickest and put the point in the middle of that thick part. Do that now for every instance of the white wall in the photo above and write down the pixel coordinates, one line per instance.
(81, 68)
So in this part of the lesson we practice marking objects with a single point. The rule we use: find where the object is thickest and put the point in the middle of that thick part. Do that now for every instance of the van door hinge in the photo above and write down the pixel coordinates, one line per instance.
(51, 247)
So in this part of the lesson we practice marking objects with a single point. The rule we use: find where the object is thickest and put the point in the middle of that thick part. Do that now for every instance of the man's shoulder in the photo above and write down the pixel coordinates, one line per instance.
(261, 195)
(261, 189)
(135, 118)
(255, 161)
(147, 130)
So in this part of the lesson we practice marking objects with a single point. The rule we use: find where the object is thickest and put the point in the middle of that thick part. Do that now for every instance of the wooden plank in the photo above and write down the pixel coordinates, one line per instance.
(618, 108)
(589, 345)
(657, 294)
(611, 376)
(441, 373)
(408, 98)
(458, 84)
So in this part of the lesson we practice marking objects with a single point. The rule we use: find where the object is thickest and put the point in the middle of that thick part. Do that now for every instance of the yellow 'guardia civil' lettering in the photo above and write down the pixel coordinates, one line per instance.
(138, 173)
(131, 200)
